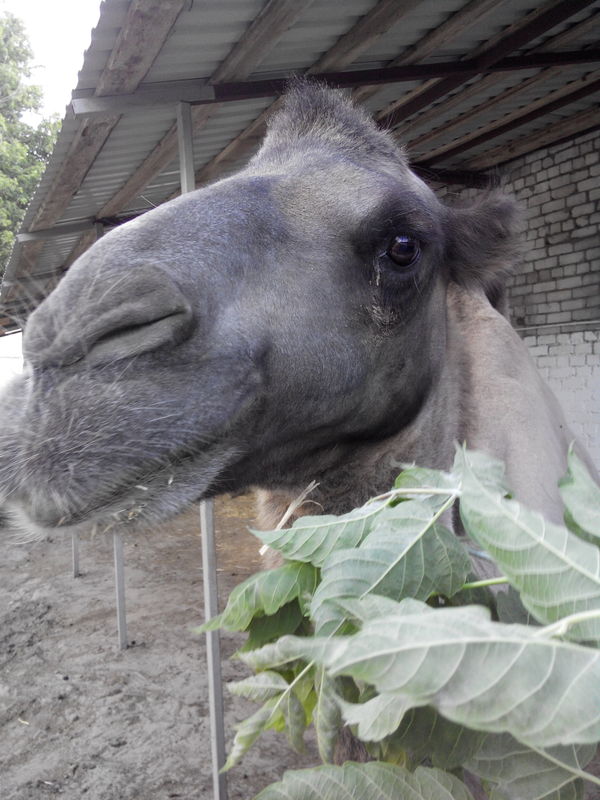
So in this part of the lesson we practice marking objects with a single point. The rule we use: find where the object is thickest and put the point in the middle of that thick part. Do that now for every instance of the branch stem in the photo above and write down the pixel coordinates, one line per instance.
(487, 582)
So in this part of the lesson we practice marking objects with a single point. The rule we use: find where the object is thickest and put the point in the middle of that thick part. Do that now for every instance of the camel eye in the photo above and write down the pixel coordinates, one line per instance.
(404, 251)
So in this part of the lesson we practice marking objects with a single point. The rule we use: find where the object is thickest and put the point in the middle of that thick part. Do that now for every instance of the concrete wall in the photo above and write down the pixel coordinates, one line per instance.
(555, 297)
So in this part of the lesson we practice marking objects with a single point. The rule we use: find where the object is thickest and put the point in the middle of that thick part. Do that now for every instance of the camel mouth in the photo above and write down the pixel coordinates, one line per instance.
(148, 499)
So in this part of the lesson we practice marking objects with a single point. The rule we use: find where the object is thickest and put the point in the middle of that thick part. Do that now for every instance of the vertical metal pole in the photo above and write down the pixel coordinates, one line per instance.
(117, 552)
(75, 551)
(213, 649)
(120, 590)
(186, 144)
(207, 526)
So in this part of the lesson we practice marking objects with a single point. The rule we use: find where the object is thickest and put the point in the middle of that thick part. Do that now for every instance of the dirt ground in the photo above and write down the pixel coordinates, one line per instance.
(78, 717)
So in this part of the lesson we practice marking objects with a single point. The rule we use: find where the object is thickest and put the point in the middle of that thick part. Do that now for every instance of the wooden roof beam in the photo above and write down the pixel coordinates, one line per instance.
(246, 54)
(366, 30)
(437, 111)
(458, 22)
(530, 27)
(347, 48)
(569, 93)
(200, 93)
(147, 26)
(558, 131)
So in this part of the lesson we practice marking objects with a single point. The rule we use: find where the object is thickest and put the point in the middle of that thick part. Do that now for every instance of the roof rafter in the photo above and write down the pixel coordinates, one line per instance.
(366, 30)
(562, 96)
(460, 21)
(146, 27)
(521, 33)
(437, 112)
(200, 93)
(246, 54)
(552, 134)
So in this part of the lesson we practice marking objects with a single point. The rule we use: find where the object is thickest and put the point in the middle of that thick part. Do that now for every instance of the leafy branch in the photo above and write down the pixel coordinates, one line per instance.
(365, 625)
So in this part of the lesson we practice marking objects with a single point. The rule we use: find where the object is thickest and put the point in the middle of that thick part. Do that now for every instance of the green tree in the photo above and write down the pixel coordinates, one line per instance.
(24, 149)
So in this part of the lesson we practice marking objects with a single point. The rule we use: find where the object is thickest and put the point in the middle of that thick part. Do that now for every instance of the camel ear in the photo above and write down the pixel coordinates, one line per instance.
(484, 243)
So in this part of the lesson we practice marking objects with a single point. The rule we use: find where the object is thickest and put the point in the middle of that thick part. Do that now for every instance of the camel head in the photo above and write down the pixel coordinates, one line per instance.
(255, 332)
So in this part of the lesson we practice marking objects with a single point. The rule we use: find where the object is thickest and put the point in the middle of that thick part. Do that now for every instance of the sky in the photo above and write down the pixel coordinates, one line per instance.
(59, 32)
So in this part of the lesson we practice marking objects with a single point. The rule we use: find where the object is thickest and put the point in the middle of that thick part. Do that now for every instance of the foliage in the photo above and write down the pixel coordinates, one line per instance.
(371, 623)
(24, 149)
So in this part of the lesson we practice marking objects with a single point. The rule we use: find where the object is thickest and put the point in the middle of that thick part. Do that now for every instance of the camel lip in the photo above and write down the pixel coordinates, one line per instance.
(145, 500)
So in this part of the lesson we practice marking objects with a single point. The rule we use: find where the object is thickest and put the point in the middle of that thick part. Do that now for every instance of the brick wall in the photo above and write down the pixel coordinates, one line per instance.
(555, 297)
(559, 189)
(570, 363)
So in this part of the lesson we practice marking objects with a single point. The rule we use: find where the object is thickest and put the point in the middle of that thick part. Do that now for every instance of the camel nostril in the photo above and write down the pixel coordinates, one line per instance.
(127, 340)
(119, 315)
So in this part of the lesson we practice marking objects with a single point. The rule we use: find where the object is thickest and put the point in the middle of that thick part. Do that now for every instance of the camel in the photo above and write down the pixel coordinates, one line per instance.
(320, 315)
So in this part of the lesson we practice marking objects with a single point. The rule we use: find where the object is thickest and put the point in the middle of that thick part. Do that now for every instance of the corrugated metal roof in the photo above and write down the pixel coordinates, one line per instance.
(127, 175)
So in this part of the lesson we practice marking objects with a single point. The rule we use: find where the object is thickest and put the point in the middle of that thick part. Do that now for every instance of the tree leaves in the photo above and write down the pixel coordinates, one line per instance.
(555, 572)
(581, 497)
(374, 780)
(24, 150)
(327, 715)
(264, 593)
(519, 771)
(406, 555)
(313, 539)
(436, 682)
(485, 675)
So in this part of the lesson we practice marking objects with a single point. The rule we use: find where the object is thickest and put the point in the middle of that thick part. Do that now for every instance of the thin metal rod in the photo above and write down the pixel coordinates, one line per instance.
(120, 590)
(207, 526)
(75, 551)
(186, 144)
(213, 650)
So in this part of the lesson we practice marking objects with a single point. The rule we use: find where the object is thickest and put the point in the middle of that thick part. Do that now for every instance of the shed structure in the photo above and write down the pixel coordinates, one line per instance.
(481, 92)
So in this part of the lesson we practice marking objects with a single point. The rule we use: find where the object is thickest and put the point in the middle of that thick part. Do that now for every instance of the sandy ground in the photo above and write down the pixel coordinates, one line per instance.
(78, 717)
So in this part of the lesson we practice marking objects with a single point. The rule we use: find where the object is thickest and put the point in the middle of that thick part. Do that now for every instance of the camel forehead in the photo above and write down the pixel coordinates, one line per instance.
(335, 195)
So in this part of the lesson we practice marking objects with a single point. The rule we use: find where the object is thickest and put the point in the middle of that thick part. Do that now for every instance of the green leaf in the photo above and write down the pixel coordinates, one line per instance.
(266, 629)
(295, 719)
(259, 688)
(327, 715)
(407, 554)
(556, 573)
(286, 650)
(282, 709)
(377, 718)
(373, 605)
(312, 539)
(248, 731)
(475, 672)
(375, 781)
(264, 593)
(581, 497)
(425, 734)
(490, 471)
(519, 771)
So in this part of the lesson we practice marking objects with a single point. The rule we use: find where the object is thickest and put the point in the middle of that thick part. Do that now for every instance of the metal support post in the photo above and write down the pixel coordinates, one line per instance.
(207, 525)
(75, 551)
(213, 650)
(120, 590)
(186, 145)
